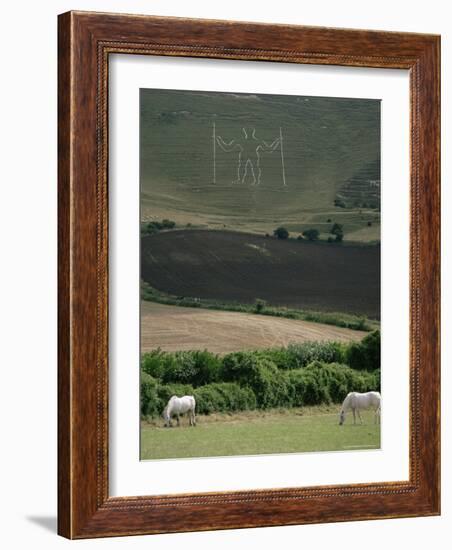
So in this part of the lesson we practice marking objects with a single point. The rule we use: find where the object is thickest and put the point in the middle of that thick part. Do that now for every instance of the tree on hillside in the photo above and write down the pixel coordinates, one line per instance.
(281, 233)
(149, 228)
(259, 305)
(311, 234)
(168, 224)
(338, 231)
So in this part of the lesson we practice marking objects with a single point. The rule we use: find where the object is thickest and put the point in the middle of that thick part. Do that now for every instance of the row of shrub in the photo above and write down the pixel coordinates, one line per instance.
(203, 367)
(259, 384)
(312, 234)
(149, 228)
(218, 397)
(345, 320)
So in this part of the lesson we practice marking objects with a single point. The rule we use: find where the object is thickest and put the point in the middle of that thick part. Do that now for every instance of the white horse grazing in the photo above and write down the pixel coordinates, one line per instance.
(180, 405)
(357, 401)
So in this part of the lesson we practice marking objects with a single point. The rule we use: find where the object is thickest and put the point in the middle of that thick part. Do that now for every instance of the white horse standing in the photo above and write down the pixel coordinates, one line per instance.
(180, 405)
(358, 401)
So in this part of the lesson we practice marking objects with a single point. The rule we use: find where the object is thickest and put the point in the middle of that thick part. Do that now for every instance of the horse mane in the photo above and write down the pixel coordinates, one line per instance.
(346, 401)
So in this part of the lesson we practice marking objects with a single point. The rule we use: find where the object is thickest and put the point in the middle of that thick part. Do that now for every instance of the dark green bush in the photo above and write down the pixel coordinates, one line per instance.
(365, 355)
(258, 372)
(259, 305)
(149, 228)
(377, 377)
(269, 385)
(167, 224)
(207, 366)
(311, 234)
(300, 355)
(152, 362)
(281, 357)
(281, 233)
(356, 356)
(239, 366)
(328, 383)
(338, 231)
(306, 386)
(372, 343)
(150, 402)
(296, 381)
(185, 367)
(209, 399)
(179, 368)
(296, 356)
(223, 397)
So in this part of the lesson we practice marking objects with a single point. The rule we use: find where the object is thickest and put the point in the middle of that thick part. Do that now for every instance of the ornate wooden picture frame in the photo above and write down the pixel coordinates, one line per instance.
(86, 40)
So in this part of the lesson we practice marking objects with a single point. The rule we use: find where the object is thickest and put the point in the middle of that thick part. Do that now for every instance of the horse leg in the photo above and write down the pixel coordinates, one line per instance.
(359, 416)
(178, 421)
(354, 415)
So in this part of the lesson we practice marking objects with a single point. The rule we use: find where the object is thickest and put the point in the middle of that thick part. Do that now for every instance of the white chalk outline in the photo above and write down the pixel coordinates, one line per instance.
(282, 157)
(232, 145)
(214, 156)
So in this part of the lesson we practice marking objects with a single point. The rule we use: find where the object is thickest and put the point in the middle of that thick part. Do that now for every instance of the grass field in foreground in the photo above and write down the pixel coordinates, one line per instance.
(257, 432)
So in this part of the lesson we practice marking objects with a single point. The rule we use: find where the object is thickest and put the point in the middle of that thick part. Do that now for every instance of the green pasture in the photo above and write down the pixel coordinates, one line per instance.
(251, 433)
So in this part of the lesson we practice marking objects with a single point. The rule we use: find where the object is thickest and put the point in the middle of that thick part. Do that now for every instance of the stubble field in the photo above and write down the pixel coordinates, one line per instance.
(174, 328)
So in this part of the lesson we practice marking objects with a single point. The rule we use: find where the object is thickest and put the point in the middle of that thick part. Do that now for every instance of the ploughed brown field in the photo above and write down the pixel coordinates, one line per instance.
(175, 328)
(241, 267)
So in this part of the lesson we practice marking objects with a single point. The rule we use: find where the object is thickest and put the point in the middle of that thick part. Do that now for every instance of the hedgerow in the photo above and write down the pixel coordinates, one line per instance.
(301, 374)
(224, 397)
(365, 355)
(193, 367)
(296, 356)
(260, 307)
(328, 383)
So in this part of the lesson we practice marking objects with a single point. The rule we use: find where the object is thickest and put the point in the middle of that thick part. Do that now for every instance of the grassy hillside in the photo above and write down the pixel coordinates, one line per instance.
(327, 142)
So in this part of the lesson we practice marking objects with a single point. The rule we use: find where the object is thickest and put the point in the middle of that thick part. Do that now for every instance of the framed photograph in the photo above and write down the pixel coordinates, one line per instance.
(248, 275)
